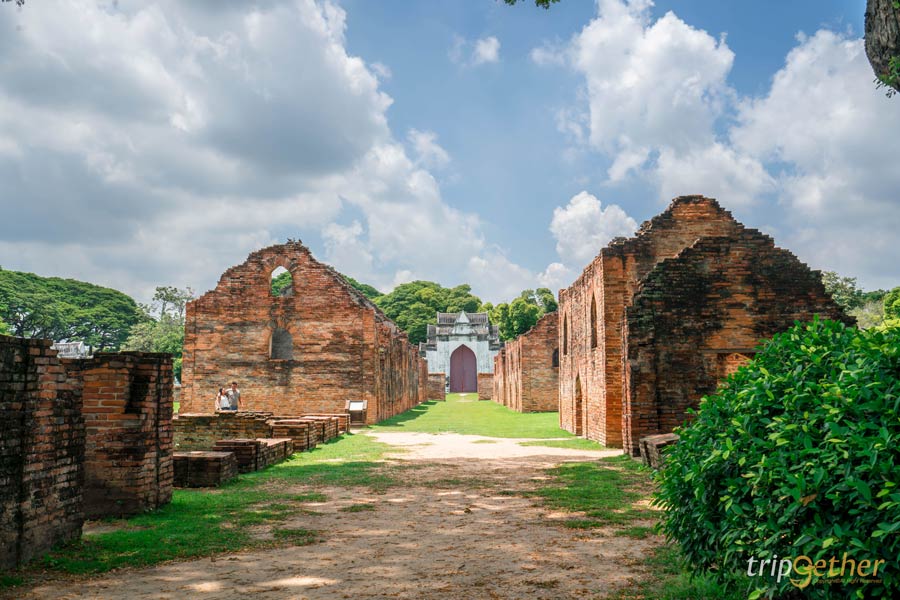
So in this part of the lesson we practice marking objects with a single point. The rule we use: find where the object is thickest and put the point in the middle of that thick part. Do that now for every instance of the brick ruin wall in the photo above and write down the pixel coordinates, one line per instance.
(82, 438)
(526, 371)
(698, 316)
(592, 336)
(41, 452)
(309, 350)
(437, 385)
(485, 386)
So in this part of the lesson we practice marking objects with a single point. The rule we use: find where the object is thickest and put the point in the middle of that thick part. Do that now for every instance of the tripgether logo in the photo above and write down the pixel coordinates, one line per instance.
(803, 566)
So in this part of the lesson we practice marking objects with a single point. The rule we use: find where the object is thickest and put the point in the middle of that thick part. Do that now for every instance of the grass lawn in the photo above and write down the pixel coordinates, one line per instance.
(464, 413)
(204, 522)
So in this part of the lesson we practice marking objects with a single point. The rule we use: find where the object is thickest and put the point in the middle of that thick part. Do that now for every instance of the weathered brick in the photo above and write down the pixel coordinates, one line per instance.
(526, 371)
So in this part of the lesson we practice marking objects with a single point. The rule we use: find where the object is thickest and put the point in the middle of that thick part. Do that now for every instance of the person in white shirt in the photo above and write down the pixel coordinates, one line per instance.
(222, 402)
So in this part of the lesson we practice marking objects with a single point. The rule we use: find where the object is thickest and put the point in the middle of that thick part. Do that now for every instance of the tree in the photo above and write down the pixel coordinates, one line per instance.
(367, 290)
(545, 4)
(520, 315)
(883, 42)
(414, 305)
(4, 328)
(65, 310)
(162, 326)
(281, 281)
(843, 289)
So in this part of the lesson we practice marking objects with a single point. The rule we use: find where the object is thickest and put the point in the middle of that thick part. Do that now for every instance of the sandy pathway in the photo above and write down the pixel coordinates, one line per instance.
(455, 529)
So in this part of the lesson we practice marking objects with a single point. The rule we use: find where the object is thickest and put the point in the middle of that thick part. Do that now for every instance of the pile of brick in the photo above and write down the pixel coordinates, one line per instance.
(256, 454)
(200, 431)
(343, 420)
(652, 448)
(330, 426)
(199, 468)
(299, 431)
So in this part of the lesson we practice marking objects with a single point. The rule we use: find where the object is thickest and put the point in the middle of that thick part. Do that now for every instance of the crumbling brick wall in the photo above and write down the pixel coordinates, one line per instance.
(127, 407)
(437, 385)
(41, 452)
(307, 351)
(526, 372)
(699, 315)
(485, 386)
(592, 335)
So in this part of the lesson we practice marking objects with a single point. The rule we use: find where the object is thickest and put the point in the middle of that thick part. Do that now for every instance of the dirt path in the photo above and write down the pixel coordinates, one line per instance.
(455, 529)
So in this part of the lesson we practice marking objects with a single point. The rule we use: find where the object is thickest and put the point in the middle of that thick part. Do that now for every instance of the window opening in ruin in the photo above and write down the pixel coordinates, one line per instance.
(282, 282)
(282, 345)
(593, 321)
(555, 360)
(566, 335)
(579, 406)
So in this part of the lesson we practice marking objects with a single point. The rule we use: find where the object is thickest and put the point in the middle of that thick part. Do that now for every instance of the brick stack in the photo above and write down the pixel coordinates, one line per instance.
(200, 431)
(246, 452)
(300, 432)
(652, 448)
(437, 386)
(41, 452)
(330, 426)
(610, 361)
(273, 450)
(199, 468)
(343, 420)
(303, 352)
(485, 386)
(526, 371)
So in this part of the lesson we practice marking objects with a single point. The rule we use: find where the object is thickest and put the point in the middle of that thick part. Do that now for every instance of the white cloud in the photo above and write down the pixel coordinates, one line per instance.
(487, 50)
(429, 152)
(556, 276)
(548, 55)
(583, 227)
(474, 53)
(159, 143)
(382, 70)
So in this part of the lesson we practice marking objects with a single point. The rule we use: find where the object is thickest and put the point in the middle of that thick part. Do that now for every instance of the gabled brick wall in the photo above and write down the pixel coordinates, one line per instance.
(343, 346)
(526, 377)
(592, 335)
(699, 315)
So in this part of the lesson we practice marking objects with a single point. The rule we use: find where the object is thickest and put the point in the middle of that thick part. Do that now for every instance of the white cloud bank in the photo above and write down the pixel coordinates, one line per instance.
(816, 154)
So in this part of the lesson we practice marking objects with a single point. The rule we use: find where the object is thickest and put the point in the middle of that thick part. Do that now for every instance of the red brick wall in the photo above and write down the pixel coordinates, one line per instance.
(485, 386)
(525, 378)
(701, 314)
(127, 407)
(437, 386)
(41, 452)
(593, 309)
(344, 348)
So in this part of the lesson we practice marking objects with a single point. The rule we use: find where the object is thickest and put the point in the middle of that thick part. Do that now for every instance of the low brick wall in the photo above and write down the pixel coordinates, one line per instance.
(437, 386)
(41, 452)
(343, 420)
(199, 468)
(201, 431)
(652, 448)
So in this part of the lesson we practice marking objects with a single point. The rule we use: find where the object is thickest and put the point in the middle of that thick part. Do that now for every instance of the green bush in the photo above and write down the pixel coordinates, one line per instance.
(796, 455)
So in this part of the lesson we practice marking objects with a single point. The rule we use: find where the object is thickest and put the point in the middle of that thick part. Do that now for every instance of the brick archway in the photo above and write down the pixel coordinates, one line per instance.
(463, 371)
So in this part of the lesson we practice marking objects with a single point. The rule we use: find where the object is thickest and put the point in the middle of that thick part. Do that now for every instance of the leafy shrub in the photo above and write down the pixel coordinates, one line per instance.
(797, 454)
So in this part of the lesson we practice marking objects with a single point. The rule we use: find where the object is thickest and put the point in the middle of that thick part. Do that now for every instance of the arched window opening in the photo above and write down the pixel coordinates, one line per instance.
(566, 335)
(555, 360)
(282, 282)
(593, 321)
(282, 345)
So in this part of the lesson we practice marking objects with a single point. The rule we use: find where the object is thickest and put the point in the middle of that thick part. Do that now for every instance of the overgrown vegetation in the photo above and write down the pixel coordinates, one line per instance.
(414, 305)
(797, 454)
(520, 315)
(464, 413)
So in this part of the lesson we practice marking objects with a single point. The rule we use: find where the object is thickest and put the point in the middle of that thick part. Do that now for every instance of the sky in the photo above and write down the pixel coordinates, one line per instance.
(152, 143)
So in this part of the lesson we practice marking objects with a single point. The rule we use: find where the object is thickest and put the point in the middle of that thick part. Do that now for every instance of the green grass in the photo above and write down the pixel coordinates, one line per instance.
(604, 491)
(175, 407)
(473, 417)
(354, 508)
(669, 579)
(205, 522)
(10, 581)
(573, 444)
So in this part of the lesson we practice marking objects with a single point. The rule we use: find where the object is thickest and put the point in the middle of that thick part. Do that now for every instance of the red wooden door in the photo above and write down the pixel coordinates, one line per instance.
(463, 371)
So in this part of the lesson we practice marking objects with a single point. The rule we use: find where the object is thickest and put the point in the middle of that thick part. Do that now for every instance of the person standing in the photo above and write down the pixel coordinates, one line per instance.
(222, 401)
(234, 396)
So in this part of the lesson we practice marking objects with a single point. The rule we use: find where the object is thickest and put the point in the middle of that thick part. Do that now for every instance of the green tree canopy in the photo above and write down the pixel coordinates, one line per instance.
(162, 326)
(843, 289)
(414, 305)
(520, 315)
(281, 281)
(65, 310)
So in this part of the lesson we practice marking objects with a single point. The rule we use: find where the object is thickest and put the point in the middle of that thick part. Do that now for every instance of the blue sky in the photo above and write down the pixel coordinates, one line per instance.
(157, 143)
